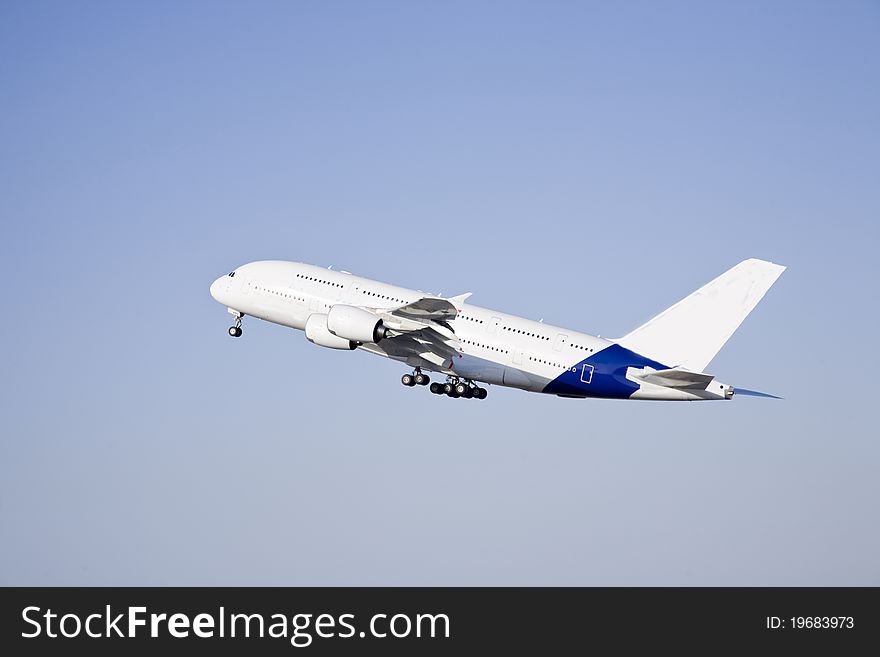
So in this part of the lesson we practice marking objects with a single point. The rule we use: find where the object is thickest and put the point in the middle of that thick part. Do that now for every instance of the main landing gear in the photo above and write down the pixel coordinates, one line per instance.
(459, 388)
(415, 379)
(235, 331)
(454, 387)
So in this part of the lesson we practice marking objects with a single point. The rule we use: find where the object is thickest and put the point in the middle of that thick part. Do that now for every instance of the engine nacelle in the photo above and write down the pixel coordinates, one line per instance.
(355, 324)
(318, 333)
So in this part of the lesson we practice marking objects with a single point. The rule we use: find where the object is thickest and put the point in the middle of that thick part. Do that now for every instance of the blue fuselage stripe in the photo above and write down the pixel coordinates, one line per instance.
(602, 374)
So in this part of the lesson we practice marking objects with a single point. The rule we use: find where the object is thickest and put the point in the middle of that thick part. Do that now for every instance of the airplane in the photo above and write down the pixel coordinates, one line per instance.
(663, 359)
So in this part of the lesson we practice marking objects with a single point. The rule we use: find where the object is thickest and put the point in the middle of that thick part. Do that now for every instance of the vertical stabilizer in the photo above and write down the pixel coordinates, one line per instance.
(691, 332)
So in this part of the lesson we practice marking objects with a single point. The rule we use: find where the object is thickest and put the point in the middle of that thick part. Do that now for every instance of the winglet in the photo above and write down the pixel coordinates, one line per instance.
(458, 301)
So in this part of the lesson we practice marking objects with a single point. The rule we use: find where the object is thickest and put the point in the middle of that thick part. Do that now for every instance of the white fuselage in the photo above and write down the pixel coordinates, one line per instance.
(495, 347)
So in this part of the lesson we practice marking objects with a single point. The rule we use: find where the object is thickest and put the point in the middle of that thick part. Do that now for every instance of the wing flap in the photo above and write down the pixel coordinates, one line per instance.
(434, 309)
(420, 329)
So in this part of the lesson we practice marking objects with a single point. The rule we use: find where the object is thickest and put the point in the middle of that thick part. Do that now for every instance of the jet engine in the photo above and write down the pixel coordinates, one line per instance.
(317, 333)
(356, 324)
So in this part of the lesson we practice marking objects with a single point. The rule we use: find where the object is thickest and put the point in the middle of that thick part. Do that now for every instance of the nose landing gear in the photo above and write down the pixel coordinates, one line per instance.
(235, 331)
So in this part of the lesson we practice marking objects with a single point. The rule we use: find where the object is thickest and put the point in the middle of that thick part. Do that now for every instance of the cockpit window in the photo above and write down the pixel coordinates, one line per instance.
(231, 274)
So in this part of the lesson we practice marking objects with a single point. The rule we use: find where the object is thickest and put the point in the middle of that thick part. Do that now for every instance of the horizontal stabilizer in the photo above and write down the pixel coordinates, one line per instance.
(678, 378)
(690, 333)
(753, 393)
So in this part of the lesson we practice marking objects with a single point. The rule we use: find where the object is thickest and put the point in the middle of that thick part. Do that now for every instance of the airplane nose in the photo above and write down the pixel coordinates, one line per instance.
(216, 288)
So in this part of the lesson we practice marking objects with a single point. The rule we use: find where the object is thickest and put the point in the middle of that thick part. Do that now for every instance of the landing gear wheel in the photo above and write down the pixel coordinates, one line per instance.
(460, 389)
(436, 388)
(481, 393)
(408, 380)
(422, 379)
(235, 331)
(452, 393)
(468, 393)
(447, 389)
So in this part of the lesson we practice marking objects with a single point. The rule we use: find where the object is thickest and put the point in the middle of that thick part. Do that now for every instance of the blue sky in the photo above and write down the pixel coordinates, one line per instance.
(584, 163)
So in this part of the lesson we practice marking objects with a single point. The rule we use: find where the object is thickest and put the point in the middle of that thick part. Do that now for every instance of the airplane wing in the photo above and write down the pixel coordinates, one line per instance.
(421, 329)
(435, 349)
(431, 309)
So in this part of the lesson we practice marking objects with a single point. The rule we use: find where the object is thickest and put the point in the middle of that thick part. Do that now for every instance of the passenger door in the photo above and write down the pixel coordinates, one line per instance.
(560, 342)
